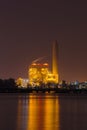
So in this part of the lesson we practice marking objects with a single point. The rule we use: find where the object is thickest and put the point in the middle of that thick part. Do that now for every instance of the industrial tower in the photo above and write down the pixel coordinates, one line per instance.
(55, 60)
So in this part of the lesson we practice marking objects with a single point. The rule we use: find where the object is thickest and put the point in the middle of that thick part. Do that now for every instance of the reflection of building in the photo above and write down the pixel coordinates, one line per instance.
(39, 73)
(44, 116)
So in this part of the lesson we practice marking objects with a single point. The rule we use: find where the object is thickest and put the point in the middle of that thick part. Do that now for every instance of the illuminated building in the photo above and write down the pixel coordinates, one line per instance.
(22, 82)
(39, 73)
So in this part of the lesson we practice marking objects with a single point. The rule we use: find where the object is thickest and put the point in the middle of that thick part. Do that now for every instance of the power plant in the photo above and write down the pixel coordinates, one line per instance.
(40, 73)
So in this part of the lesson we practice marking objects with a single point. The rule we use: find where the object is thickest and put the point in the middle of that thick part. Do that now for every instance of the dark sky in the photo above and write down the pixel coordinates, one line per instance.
(27, 29)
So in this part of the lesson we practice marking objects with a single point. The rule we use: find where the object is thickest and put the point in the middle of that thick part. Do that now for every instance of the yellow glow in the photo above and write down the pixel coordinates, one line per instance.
(34, 64)
(43, 114)
(36, 113)
(40, 73)
(19, 81)
(52, 114)
(46, 64)
(32, 122)
(55, 61)
(22, 82)
(52, 78)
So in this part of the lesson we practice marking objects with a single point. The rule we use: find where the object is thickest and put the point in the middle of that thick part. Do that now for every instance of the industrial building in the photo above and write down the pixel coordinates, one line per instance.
(39, 73)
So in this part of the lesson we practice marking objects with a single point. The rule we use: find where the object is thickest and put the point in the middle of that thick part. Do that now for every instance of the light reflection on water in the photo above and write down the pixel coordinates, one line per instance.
(43, 112)
(38, 113)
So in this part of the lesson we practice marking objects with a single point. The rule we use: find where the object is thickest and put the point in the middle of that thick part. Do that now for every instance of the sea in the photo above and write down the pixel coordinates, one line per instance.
(38, 111)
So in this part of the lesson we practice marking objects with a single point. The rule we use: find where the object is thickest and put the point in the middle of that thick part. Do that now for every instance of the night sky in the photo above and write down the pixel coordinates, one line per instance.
(28, 28)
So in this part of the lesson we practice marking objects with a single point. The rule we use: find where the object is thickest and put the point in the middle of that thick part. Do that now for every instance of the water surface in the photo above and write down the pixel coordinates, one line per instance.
(43, 112)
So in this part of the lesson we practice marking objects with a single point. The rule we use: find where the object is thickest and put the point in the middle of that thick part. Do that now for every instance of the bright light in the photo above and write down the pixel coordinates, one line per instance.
(40, 74)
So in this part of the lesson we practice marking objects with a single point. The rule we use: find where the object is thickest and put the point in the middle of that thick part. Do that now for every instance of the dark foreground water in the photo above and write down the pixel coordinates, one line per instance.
(43, 112)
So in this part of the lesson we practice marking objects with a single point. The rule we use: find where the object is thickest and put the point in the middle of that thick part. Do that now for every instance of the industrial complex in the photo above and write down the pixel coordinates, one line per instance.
(39, 73)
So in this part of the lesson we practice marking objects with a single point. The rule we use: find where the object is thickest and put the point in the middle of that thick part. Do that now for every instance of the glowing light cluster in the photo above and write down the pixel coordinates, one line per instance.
(22, 82)
(39, 73)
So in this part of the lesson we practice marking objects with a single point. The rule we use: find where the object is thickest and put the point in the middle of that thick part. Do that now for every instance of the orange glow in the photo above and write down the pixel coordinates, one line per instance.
(43, 114)
(55, 61)
(38, 112)
(34, 64)
(32, 122)
(41, 74)
(51, 114)
(38, 74)
(46, 64)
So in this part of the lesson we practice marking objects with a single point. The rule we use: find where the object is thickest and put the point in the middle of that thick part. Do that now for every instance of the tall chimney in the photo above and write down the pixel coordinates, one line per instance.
(55, 60)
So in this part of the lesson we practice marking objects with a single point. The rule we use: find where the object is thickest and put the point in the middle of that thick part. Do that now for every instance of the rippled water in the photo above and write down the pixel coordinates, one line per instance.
(43, 112)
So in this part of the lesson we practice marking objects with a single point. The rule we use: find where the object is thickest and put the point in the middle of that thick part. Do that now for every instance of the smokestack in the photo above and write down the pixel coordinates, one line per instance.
(55, 60)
